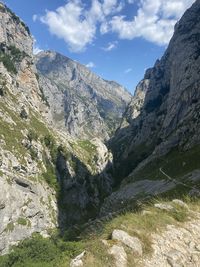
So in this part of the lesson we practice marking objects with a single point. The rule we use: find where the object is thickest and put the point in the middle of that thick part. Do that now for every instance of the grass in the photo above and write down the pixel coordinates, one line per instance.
(176, 164)
(86, 152)
(38, 251)
(24, 221)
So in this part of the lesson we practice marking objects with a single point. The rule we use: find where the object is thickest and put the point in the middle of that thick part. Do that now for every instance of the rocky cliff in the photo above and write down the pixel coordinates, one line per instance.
(161, 140)
(81, 102)
(45, 174)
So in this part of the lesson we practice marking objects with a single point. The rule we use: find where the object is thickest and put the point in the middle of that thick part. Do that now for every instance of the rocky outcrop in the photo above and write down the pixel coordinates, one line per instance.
(27, 203)
(134, 107)
(132, 242)
(177, 246)
(81, 102)
(85, 181)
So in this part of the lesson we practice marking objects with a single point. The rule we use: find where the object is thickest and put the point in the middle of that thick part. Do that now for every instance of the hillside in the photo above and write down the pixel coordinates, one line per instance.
(161, 144)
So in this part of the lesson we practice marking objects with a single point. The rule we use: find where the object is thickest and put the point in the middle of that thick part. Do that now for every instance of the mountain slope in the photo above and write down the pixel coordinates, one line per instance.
(168, 124)
(81, 103)
(48, 179)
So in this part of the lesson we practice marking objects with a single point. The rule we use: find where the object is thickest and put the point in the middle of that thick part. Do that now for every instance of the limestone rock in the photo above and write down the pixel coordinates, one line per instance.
(169, 116)
(132, 242)
(119, 255)
(77, 262)
(180, 203)
(163, 206)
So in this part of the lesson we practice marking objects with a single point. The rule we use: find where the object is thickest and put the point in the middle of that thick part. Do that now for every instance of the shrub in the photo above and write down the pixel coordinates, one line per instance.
(50, 176)
(39, 251)
(22, 221)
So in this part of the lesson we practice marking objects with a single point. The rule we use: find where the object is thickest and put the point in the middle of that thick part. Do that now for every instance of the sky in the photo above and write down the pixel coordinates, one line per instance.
(116, 39)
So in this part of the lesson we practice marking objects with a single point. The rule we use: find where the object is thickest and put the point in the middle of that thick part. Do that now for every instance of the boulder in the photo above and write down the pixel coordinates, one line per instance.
(132, 242)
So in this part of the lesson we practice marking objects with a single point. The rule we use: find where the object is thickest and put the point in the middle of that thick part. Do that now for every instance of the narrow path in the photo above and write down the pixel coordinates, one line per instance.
(174, 180)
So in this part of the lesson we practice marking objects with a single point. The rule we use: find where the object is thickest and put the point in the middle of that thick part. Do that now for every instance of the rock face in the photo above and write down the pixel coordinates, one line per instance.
(37, 158)
(134, 107)
(27, 204)
(132, 242)
(168, 121)
(177, 246)
(169, 117)
(119, 255)
(81, 103)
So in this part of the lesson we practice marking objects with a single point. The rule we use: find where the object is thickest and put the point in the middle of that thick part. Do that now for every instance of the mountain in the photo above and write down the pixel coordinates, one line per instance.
(48, 178)
(65, 192)
(81, 102)
(162, 139)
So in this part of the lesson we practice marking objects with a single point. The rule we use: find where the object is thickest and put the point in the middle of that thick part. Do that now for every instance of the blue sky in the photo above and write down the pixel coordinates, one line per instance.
(117, 39)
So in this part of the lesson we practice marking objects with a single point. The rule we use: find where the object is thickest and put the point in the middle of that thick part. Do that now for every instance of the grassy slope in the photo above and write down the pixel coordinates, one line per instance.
(55, 251)
(176, 164)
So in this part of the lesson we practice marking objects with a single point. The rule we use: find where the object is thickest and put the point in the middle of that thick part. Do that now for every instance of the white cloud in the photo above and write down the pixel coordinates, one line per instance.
(77, 23)
(154, 21)
(35, 17)
(90, 65)
(110, 46)
(70, 23)
(131, 1)
(128, 71)
(36, 48)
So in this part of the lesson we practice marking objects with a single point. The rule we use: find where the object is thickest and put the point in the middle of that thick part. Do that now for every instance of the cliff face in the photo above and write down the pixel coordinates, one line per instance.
(47, 177)
(169, 118)
(81, 103)
(27, 203)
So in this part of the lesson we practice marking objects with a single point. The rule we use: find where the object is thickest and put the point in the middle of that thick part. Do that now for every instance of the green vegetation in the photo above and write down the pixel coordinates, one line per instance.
(86, 152)
(10, 227)
(17, 19)
(38, 251)
(176, 164)
(3, 86)
(58, 251)
(23, 221)
(12, 56)
(50, 176)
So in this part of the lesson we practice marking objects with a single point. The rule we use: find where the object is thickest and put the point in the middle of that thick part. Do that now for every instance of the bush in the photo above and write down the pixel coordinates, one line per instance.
(39, 251)
(50, 176)
(8, 63)
(22, 221)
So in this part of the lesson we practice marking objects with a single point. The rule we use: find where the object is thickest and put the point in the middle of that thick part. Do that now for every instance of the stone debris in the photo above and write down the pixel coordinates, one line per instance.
(132, 242)
(162, 206)
(78, 261)
(119, 255)
(176, 247)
